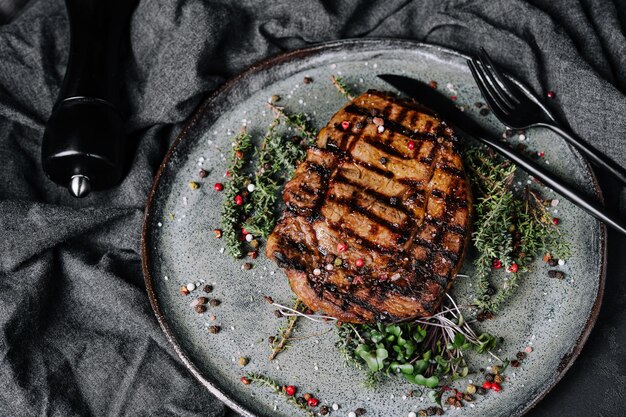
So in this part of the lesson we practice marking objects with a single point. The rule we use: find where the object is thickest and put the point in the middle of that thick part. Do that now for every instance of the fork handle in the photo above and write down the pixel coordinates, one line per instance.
(594, 155)
(581, 200)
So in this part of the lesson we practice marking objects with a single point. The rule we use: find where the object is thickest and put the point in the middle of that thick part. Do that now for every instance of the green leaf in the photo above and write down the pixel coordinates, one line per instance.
(421, 366)
(435, 396)
(405, 368)
(420, 379)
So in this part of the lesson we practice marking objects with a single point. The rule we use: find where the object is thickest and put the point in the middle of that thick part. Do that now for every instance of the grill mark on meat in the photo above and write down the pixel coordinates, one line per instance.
(393, 126)
(380, 197)
(382, 146)
(361, 241)
(353, 206)
(370, 167)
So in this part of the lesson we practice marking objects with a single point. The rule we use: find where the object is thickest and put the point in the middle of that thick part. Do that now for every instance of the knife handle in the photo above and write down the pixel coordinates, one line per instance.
(83, 143)
(581, 200)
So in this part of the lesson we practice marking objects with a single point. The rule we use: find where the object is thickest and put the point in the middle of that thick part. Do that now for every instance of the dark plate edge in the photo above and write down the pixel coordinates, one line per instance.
(567, 360)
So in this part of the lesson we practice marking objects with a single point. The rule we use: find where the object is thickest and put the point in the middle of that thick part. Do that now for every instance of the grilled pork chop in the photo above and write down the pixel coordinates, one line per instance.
(377, 216)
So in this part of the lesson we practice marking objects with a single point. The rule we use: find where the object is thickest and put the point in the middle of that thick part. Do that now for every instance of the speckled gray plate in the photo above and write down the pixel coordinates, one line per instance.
(553, 316)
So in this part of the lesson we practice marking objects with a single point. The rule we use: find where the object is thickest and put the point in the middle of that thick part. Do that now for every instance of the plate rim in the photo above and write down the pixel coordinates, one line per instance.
(301, 53)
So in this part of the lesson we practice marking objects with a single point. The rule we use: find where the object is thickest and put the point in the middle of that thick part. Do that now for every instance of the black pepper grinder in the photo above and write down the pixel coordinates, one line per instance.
(83, 144)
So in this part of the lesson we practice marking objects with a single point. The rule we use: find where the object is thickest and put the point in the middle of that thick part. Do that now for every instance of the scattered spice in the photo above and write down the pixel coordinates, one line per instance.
(214, 302)
(218, 233)
(207, 289)
(200, 308)
(183, 290)
(432, 84)
(194, 185)
(246, 266)
(214, 329)
(218, 186)
(203, 300)
(243, 361)
(203, 173)
(307, 80)
(551, 94)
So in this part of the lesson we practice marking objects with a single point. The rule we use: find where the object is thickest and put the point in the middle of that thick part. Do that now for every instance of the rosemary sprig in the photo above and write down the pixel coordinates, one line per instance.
(266, 381)
(298, 121)
(233, 214)
(281, 341)
(341, 86)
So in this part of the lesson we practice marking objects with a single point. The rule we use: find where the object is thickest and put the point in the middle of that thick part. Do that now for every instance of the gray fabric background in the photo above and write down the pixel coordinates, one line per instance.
(77, 335)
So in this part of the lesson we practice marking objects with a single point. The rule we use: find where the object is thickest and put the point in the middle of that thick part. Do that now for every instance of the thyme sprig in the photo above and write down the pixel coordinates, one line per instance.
(509, 229)
(341, 86)
(233, 214)
(281, 341)
(277, 159)
(266, 381)
(298, 121)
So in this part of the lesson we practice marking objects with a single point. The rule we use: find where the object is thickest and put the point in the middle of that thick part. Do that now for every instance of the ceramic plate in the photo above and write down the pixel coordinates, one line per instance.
(552, 316)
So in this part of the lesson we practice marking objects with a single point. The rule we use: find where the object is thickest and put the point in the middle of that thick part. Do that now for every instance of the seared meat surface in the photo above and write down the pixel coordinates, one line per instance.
(377, 216)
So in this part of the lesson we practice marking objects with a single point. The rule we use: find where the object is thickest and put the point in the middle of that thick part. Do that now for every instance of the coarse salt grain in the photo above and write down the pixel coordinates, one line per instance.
(249, 237)
(412, 414)
(351, 414)
(329, 267)
(159, 224)
(528, 349)
(381, 129)
(317, 271)
(561, 262)
(250, 187)
(335, 407)
(521, 137)
(191, 286)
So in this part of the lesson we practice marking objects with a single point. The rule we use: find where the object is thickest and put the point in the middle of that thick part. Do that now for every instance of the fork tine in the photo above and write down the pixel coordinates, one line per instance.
(494, 101)
(496, 74)
(492, 84)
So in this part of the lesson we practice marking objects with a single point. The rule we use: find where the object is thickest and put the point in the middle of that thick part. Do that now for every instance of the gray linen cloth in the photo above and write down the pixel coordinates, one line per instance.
(77, 335)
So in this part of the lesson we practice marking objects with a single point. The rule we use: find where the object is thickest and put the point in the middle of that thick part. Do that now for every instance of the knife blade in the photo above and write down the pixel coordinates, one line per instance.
(447, 109)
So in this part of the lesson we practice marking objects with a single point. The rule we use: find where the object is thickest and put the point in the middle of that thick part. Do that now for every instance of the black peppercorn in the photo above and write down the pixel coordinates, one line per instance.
(301, 400)
(556, 274)
(271, 340)
(481, 390)
(484, 111)
(203, 173)
(468, 397)
(553, 262)
(489, 377)
(246, 266)
(515, 363)
(359, 125)
(359, 411)
(200, 308)
(203, 300)
(278, 314)
(521, 356)
(214, 329)
(490, 291)
(324, 410)
(308, 80)
(439, 411)
(383, 160)
(430, 411)
(207, 288)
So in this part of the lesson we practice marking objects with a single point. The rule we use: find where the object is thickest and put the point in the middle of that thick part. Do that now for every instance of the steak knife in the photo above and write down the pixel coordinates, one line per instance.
(448, 110)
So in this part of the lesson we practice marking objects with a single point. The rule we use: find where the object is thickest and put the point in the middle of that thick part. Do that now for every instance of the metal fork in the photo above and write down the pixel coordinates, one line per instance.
(518, 108)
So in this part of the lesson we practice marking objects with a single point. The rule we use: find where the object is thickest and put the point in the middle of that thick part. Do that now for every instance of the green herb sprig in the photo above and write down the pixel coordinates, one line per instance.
(266, 381)
(281, 341)
(298, 121)
(509, 229)
(232, 214)
(341, 86)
